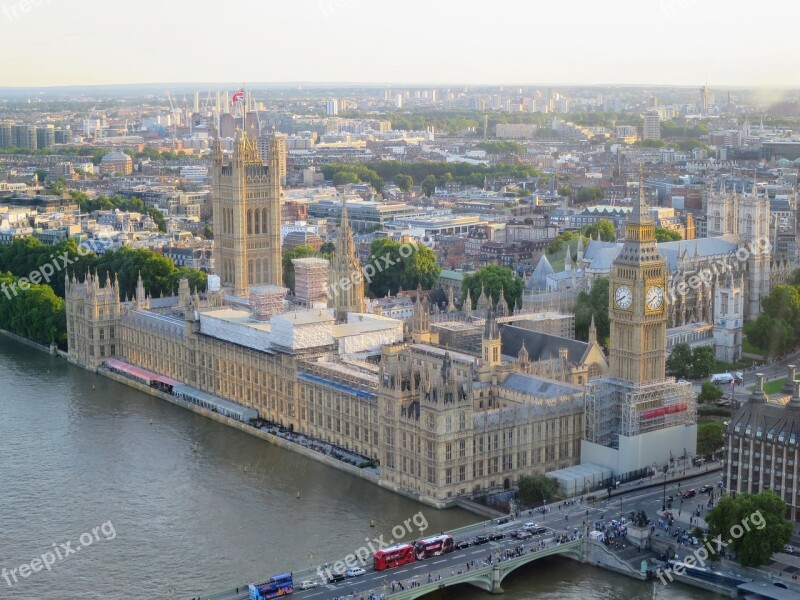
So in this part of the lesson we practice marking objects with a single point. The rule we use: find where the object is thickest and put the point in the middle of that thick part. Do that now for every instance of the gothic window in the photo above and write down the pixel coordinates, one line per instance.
(448, 452)
(462, 449)
(748, 225)
(716, 220)
(462, 421)
(448, 423)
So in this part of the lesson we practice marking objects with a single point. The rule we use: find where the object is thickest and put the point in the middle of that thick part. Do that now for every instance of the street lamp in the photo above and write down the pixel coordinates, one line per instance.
(664, 505)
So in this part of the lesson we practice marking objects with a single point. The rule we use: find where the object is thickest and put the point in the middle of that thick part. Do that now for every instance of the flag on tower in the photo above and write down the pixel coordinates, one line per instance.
(237, 96)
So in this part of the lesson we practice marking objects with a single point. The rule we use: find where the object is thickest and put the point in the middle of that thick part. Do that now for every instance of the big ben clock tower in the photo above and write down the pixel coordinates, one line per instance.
(638, 302)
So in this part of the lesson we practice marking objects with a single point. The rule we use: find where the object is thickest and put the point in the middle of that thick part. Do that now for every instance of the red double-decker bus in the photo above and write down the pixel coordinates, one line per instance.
(394, 556)
(433, 546)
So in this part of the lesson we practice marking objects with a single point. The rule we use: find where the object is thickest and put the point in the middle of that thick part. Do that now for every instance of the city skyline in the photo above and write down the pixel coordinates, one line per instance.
(592, 45)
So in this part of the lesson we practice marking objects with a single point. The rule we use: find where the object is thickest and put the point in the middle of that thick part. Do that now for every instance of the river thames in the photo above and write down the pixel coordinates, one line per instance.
(137, 498)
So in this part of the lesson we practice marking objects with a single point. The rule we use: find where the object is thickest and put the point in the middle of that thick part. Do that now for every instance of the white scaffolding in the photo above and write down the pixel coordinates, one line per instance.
(310, 280)
(266, 301)
(615, 407)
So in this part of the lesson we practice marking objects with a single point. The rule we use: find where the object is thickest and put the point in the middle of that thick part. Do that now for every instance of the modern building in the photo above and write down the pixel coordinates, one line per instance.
(652, 126)
(762, 441)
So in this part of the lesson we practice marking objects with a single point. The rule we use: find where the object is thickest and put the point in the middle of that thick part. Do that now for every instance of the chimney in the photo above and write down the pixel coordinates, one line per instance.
(791, 373)
(760, 382)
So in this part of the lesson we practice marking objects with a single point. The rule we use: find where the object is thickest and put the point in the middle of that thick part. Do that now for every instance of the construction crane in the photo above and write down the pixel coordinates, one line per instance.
(174, 111)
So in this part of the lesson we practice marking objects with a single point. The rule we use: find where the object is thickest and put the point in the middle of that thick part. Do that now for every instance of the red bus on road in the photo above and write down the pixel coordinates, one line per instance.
(394, 556)
(433, 546)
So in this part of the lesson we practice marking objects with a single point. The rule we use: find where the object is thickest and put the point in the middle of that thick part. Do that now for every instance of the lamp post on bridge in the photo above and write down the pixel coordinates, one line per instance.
(664, 505)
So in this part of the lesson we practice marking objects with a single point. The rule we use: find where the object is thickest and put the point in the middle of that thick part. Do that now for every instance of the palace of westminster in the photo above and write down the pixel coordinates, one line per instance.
(441, 418)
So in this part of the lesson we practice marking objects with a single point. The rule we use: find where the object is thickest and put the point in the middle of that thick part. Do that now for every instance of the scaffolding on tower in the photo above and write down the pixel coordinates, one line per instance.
(311, 281)
(266, 301)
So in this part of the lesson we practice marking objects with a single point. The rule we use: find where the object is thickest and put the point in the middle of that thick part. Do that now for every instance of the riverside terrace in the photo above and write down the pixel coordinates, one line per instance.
(423, 577)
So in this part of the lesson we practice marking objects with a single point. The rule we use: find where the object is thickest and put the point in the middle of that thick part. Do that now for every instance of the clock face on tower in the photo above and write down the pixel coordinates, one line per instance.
(623, 297)
(655, 298)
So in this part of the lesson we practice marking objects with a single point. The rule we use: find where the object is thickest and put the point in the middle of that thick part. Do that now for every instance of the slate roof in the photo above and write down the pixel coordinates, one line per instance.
(540, 346)
(538, 279)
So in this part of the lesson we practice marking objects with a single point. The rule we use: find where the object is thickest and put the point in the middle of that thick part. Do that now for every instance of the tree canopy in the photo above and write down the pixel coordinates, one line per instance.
(755, 525)
(667, 235)
(604, 227)
(537, 488)
(492, 279)
(697, 362)
(595, 303)
(32, 311)
(405, 266)
(589, 195)
(777, 328)
(709, 393)
(710, 437)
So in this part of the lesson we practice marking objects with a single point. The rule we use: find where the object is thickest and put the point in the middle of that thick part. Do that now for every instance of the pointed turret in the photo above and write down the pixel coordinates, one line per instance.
(523, 357)
(451, 303)
(580, 249)
(466, 306)
(641, 212)
(592, 332)
(502, 305)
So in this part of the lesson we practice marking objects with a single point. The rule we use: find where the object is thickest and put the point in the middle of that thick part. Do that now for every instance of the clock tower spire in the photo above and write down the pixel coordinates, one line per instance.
(638, 301)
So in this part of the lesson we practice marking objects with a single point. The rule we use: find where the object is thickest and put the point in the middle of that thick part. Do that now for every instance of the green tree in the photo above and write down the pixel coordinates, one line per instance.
(58, 187)
(429, 185)
(158, 218)
(604, 227)
(759, 518)
(327, 248)
(703, 361)
(32, 311)
(397, 265)
(537, 488)
(344, 178)
(562, 240)
(709, 393)
(564, 191)
(594, 304)
(288, 267)
(589, 195)
(680, 360)
(41, 174)
(710, 437)
(404, 182)
(208, 232)
(777, 328)
(667, 235)
(492, 279)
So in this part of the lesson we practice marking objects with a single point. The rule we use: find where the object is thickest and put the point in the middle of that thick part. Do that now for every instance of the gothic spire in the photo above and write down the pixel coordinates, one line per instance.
(641, 212)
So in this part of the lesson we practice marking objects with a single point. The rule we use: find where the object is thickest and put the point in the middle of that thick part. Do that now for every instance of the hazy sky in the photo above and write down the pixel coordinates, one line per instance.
(70, 42)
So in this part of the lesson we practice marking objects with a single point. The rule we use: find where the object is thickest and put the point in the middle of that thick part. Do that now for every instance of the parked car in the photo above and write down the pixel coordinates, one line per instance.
(669, 499)
(481, 539)
(705, 489)
(309, 584)
(336, 577)
(462, 544)
(496, 535)
(502, 520)
(523, 535)
(355, 571)
(528, 526)
(788, 549)
(689, 494)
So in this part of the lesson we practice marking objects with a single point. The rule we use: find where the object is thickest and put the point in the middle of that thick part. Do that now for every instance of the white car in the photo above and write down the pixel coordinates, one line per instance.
(529, 526)
(309, 585)
(355, 571)
(789, 549)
